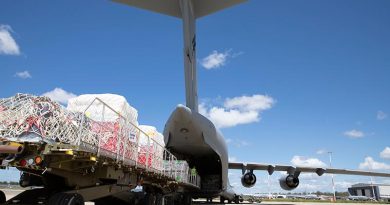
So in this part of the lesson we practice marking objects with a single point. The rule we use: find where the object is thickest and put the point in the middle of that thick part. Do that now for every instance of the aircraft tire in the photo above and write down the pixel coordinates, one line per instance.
(169, 200)
(222, 199)
(149, 199)
(187, 200)
(66, 199)
(113, 201)
(159, 199)
(3, 199)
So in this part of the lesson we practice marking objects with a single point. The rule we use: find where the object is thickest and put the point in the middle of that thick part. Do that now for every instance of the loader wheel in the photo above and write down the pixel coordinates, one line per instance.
(66, 199)
(3, 199)
(149, 199)
(222, 199)
(237, 199)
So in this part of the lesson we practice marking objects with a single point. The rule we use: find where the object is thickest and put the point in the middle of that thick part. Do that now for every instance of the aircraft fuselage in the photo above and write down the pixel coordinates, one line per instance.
(192, 137)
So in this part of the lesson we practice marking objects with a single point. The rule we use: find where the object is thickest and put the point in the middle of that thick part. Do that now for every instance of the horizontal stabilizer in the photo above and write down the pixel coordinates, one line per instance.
(168, 7)
(206, 7)
(172, 7)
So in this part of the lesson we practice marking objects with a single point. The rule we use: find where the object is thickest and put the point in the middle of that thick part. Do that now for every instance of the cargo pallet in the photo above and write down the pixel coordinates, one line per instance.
(77, 171)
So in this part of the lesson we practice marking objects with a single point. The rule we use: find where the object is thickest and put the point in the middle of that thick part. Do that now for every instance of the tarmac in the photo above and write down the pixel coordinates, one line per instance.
(13, 192)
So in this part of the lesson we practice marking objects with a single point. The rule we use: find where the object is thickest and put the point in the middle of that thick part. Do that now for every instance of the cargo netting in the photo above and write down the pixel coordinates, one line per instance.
(29, 118)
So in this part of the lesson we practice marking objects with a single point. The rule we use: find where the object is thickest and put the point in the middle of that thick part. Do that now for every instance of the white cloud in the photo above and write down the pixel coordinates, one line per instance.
(354, 134)
(8, 45)
(241, 143)
(217, 59)
(371, 164)
(228, 140)
(304, 187)
(59, 95)
(308, 176)
(321, 151)
(232, 159)
(23, 75)
(214, 60)
(380, 115)
(237, 142)
(203, 109)
(385, 154)
(386, 181)
(307, 162)
(248, 103)
(230, 118)
(343, 185)
(238, 110)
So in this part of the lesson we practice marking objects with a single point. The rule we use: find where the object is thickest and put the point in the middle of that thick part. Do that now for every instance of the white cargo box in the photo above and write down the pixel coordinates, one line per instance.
(152, 142)
(96, 110)
(152, 133)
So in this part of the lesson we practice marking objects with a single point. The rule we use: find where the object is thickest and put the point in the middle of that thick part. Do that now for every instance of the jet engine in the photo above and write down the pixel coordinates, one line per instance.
(288, 182)
(248, 180)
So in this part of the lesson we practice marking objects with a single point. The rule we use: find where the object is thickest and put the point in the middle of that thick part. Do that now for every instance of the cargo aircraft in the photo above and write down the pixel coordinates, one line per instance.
(191, 136)
(71, 173)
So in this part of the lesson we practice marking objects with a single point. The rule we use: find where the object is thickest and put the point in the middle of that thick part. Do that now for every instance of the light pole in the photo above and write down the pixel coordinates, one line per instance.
(269, 187)
(330, 166)
(373, 189)
(372, 185)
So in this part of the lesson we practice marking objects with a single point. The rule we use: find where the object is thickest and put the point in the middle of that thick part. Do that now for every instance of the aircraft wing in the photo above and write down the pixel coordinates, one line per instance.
(297, 170)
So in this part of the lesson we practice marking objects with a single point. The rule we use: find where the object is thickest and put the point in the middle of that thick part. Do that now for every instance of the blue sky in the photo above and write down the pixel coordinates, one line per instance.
(301, 76)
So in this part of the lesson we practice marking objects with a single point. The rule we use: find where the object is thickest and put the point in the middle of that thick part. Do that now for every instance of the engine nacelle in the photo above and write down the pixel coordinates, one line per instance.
(248, 180)
(288, 182)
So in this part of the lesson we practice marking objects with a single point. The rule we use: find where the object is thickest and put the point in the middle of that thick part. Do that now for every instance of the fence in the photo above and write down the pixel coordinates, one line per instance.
(106, 132)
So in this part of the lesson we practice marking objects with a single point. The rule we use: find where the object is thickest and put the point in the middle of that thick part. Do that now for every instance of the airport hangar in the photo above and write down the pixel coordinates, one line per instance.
(377, 191)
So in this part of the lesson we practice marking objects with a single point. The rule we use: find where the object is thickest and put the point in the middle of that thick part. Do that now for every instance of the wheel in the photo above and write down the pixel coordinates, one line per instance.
(159, 199)
(149, 199)
(169, 200)
(66, 199)
(187, 200)
(237, 199)
(27, 179)
(54, 183)
(3, 199)
(222, 199)
(112, 201)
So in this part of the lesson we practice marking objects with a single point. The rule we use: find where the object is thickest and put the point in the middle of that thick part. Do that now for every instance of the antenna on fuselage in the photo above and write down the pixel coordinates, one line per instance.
(188, 11)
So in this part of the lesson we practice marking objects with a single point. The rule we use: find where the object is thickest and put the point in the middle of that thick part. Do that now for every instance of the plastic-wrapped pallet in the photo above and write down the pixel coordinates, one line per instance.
(154, 146)
(28, 118)
(115, 133)
(178, 169)
(94, 109)
(182, 170)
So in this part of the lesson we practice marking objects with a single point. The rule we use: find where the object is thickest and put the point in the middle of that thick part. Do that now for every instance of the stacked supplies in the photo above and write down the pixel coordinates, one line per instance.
(106, 121)
(151, 147)
(114, 121)
(29, 118)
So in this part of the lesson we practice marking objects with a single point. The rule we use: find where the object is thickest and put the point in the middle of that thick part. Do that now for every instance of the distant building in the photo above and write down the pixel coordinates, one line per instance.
(377, 191)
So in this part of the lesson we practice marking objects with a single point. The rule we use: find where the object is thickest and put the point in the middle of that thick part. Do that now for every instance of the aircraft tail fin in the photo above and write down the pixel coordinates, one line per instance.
(172, 7)
(188, 11)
